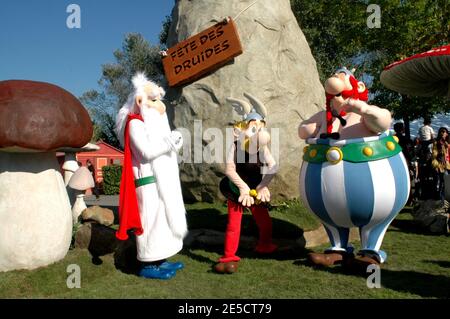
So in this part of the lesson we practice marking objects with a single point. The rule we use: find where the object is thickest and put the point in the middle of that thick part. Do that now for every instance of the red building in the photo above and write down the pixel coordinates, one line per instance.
(106, 155)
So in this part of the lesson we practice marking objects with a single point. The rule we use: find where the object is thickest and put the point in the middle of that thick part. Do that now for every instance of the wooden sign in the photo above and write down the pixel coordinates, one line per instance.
(202, 53)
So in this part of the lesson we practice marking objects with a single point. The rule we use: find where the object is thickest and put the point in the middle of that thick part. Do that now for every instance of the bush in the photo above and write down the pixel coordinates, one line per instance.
(111, 179)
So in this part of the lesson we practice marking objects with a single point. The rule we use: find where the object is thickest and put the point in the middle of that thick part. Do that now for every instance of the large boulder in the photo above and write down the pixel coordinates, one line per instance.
(432, 216)
(276, 66)
(103, 216)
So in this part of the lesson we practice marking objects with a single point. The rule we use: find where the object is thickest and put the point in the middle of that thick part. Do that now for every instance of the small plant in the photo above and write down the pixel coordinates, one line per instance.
(111, 179)
(280, 206)
(75, 228)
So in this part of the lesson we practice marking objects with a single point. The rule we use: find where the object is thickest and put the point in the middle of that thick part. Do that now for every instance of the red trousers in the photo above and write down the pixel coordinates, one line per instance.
(233, 232)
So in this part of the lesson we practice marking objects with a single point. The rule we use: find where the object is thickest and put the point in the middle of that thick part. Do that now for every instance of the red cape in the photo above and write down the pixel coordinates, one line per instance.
(129, 217)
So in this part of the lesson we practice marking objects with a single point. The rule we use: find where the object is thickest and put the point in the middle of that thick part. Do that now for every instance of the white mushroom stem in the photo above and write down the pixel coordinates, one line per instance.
(36, 227)
(70, 166)
(78, 207)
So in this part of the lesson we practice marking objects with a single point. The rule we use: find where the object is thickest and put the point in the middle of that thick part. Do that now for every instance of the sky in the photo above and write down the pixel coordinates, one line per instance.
(36, 43)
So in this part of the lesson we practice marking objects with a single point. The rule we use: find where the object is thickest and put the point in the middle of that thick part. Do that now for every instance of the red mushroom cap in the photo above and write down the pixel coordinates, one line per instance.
(424, 74)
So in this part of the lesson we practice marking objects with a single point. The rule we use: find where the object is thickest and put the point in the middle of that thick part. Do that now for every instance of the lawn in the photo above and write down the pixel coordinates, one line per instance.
(418, 267)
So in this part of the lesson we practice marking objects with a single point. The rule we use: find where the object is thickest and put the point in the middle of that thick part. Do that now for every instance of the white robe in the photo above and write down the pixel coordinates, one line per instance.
(160, 204)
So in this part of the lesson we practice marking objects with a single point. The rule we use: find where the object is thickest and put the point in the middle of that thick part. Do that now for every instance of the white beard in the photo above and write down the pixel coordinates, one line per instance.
(166, 171)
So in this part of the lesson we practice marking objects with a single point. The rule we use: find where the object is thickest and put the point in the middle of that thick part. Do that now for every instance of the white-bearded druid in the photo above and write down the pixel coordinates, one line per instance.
(151, 201)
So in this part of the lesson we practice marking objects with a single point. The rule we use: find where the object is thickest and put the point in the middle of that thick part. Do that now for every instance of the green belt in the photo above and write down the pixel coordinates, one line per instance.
(355, 152)
(144, 181)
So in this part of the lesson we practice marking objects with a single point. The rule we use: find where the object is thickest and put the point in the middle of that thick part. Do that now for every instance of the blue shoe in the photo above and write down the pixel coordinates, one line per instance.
(155, 272)
(167, 265)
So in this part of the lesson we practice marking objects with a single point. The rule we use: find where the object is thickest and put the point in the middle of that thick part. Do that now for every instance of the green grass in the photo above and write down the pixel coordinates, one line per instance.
(418, 267)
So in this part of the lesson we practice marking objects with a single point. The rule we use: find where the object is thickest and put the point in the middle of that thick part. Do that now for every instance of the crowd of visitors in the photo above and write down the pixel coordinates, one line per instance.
(428, 160)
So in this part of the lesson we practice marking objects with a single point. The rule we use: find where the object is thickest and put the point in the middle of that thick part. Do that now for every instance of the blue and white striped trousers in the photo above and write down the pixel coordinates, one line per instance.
(367, 195)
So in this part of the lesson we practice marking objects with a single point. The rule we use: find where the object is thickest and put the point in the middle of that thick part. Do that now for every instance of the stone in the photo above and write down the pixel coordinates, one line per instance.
(319, 237)
(83, 236)
(103, 216)
(276, 66)
(432, 216)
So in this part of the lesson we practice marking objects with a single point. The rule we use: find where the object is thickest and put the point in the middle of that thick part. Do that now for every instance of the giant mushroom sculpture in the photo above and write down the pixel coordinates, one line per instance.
(424, 74)
(81, 181)
(35, 214)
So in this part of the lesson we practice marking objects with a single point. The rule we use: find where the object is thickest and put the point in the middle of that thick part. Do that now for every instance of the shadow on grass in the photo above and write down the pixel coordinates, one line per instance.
(283, 253)
(103, 240)
(215, 219)
(418, 283)
(197, 257)
(211, 218)
(441, 263)
(405, 281)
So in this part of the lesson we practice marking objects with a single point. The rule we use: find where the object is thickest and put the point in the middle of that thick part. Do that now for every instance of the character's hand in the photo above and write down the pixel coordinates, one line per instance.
(263, 194)
(163, 53)
(177, 138)
(245, 198)
(176, 141)
(355, 106)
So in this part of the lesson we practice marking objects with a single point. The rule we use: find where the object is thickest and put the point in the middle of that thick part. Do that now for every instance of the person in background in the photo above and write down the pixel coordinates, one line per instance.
(415, 181)
(440, 160)
(426, 133)
(426, 172)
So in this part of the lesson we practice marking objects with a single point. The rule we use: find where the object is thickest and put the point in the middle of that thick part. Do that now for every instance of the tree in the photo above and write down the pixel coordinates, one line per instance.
(102, 110)
(412, 27)
(338, 34)
(135, 55)
(164, 34)
(333, 31)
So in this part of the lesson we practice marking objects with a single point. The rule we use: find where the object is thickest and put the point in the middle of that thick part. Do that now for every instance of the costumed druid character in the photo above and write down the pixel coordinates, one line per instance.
(151, 201)
(353, 173)
(249, 169)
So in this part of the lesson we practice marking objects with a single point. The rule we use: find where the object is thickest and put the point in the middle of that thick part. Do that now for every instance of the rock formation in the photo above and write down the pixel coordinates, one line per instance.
(276, 66)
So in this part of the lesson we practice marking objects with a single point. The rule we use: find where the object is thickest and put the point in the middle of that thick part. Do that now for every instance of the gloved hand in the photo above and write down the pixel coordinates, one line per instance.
(245, 198)
(175, 141)
(263, 194)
